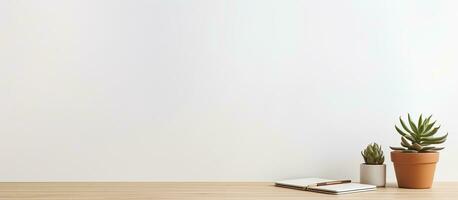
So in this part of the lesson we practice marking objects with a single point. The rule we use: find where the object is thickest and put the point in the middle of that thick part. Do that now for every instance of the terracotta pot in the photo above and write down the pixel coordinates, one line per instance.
(414, 170)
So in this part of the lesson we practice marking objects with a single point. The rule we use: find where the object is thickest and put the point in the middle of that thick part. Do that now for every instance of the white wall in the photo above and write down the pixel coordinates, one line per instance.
(218, 90)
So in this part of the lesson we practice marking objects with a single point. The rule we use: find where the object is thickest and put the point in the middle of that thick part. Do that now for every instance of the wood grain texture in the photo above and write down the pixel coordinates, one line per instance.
(202, 191)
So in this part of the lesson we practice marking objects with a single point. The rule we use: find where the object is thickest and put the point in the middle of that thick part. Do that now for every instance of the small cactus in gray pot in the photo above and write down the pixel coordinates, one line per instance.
(373, 154)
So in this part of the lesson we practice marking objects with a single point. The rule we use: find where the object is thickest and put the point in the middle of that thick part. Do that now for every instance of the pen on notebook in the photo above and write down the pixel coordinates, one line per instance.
(330, 183)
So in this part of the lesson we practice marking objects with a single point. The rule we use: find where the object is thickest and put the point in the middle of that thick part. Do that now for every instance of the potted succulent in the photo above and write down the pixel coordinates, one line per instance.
(415, 162)
(373, 171)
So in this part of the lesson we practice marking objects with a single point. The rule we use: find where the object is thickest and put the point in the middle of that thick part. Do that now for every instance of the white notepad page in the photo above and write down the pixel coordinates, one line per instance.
(345, 188)
(303, 182)
(331, 189)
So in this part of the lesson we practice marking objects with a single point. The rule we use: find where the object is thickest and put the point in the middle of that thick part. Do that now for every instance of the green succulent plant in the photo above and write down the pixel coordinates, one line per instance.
(373, 154)
(419, 137)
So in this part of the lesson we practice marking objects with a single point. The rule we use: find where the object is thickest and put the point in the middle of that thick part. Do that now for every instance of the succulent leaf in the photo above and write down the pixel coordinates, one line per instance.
(412, 125)
(433, 142)
(397, 148)
(405, 143)
(400, 131)
(420, 124)
(435, 138)
(427, 120)
(432, 132)
(429, 127)
(404, 126)
(427, 148)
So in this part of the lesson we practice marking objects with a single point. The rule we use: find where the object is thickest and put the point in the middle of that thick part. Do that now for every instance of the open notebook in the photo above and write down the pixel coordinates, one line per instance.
(309, 184)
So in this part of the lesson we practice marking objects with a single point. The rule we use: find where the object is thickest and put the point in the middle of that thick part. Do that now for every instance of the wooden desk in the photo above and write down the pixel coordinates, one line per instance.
(202, 191)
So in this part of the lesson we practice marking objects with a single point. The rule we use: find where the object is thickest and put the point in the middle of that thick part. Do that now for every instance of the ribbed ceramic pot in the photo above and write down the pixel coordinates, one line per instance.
(414, 170)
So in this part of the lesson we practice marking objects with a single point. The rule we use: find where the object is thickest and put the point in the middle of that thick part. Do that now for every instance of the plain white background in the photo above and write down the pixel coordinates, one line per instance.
(219, 90)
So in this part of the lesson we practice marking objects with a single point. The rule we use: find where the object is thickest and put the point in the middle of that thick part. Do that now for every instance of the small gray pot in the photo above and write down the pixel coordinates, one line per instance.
(373, 174)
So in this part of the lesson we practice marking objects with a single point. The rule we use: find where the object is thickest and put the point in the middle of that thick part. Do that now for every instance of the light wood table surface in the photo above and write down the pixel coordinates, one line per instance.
(202, 191)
